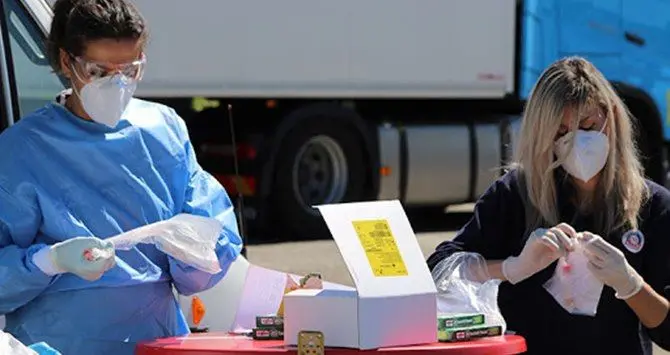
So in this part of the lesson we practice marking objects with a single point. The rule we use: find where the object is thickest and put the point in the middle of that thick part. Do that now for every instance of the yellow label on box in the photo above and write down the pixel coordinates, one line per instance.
(380, 247)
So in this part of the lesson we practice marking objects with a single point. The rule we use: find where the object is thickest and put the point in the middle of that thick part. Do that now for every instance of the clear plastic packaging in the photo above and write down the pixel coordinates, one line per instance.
(9, 345)
(188, 238)
(464, 286)
(573, 286)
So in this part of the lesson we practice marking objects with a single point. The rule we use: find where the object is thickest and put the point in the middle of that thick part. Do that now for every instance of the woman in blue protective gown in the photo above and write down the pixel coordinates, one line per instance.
(89, 166)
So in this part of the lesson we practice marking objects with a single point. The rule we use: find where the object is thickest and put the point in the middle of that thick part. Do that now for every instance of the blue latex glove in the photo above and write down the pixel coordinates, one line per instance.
(44, 349)
(75, 256)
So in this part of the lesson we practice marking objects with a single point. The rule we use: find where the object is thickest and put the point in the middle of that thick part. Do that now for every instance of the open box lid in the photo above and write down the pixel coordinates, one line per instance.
(379, 248)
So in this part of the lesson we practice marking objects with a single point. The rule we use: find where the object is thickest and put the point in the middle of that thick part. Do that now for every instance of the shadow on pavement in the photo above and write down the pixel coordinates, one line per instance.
(422, 222)
(438, 222)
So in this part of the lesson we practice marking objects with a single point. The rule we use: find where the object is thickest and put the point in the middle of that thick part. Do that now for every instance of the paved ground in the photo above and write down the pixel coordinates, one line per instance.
(320, 256)
(323, 256)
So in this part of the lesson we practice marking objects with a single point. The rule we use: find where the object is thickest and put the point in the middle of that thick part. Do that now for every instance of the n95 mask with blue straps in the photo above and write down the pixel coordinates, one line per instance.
(105, 96)
(588, 155)
(105, 99)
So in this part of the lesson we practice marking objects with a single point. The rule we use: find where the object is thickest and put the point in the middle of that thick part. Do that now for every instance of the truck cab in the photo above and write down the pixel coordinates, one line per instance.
(626, 40)
(27, 81)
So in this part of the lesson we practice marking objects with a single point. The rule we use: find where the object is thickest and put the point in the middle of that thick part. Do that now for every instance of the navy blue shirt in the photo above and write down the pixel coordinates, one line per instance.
(497, 230)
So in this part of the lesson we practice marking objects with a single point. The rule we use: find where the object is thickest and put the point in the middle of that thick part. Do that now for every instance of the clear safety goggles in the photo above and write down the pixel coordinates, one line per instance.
(90, 71)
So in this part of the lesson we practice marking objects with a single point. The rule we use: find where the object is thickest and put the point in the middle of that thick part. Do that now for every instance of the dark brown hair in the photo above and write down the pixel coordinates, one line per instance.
(77, 22)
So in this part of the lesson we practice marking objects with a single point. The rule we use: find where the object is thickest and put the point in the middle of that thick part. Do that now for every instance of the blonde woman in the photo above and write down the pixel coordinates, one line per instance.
(577, 177)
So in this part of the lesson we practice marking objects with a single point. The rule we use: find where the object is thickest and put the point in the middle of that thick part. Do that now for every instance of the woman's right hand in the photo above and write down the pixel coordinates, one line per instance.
(543, 247)
(71, 256)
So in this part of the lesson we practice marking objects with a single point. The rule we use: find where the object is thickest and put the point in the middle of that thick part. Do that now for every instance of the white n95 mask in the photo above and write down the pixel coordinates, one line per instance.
(588, 155)
(105, 99)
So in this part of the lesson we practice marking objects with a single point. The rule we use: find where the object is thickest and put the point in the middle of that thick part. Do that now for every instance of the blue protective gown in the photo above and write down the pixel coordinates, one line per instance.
(62, 177)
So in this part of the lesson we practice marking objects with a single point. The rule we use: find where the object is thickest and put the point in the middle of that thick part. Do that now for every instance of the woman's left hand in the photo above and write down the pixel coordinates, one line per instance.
(609, 265)
(310, 281)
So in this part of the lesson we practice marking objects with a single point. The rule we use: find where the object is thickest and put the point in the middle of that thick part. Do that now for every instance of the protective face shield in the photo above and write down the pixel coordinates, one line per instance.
(94, 70)
(107, 93)
(587, 157)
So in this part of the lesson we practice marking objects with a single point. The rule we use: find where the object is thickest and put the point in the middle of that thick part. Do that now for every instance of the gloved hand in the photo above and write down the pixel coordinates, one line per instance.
(543, 247)
(73, 255)
(609, 265)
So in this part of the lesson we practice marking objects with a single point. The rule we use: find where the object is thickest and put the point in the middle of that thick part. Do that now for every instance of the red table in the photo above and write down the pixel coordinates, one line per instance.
(225, 344)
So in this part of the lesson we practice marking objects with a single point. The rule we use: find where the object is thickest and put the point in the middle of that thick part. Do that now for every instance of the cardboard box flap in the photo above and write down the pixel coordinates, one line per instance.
(379, 248)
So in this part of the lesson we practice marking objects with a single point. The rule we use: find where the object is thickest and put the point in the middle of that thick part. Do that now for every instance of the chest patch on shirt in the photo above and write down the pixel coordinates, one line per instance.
(633, 240)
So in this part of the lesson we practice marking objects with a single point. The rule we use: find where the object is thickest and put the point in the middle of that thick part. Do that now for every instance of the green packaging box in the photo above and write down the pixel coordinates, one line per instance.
(270, 321)
(465, 334)
(459, 321)
(267, 334)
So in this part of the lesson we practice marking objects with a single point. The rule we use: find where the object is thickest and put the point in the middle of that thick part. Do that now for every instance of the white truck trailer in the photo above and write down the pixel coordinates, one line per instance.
(339, 100)
(351, 100)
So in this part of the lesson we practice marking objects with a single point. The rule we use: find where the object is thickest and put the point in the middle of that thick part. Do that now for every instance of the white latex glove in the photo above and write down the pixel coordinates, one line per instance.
(543, 247)
(73, 256)
(609, 265)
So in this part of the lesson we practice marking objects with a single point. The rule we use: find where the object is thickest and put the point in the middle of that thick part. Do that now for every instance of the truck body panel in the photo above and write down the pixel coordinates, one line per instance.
(625, 39)
(424, 58)
(301, 51)
(328, 49)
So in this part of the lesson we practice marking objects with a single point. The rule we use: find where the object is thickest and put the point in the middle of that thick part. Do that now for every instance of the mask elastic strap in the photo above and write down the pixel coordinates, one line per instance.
(602, 130)
(74, 88)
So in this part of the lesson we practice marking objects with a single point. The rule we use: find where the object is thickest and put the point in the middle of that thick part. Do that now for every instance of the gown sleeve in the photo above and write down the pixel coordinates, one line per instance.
(22, 280)
(204, 196)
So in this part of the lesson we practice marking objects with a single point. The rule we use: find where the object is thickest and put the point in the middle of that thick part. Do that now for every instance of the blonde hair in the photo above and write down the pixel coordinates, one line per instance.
(575, 84)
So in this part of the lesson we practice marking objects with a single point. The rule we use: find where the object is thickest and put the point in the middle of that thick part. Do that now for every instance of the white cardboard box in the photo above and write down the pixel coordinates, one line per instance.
(394, 303)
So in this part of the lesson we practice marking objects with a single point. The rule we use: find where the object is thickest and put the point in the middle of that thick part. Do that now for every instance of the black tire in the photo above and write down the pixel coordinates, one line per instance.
(288, 210)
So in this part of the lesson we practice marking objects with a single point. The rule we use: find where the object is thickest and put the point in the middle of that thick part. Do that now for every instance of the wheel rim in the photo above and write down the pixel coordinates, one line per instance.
(320, 173)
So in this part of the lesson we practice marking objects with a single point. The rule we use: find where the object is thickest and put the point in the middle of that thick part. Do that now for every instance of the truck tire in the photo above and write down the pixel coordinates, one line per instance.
(648, 131)
(320, 161)
(651, 156)
(649, 140)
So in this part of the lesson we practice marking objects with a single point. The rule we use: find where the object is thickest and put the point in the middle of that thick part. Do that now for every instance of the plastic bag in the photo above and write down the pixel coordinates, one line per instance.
(188, 238)
(464, 286)
(9, 345)
(573, 286)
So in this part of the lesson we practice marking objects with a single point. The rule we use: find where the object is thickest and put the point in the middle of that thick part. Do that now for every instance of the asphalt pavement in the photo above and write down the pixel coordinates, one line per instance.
(320, 256)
